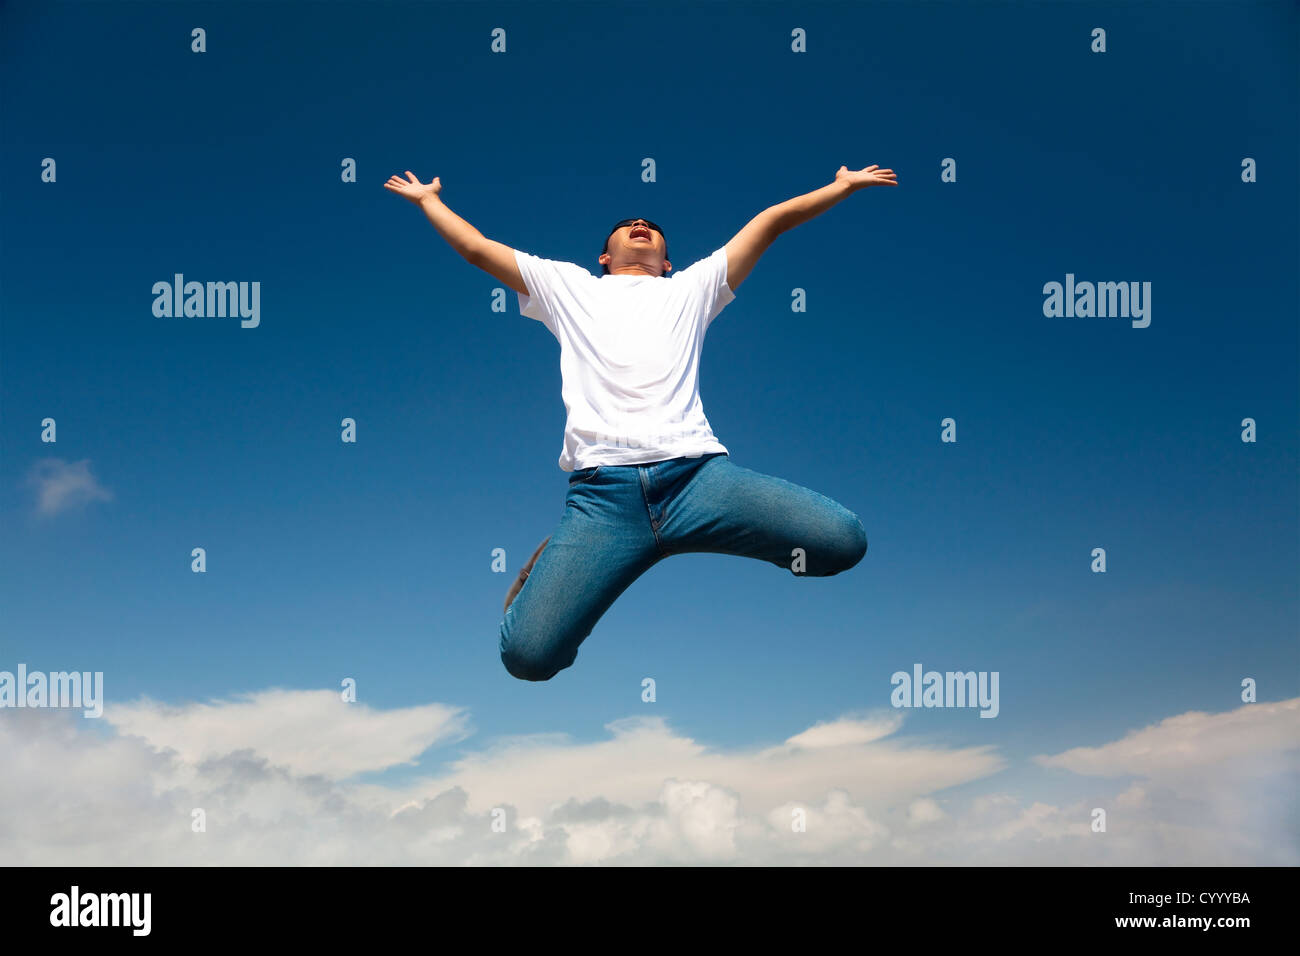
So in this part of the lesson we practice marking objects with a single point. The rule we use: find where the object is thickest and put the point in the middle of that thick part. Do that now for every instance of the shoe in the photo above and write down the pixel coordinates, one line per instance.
(523, 575)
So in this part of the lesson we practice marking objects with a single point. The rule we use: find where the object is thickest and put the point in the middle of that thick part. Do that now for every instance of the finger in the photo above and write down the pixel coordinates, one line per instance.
(411, 176)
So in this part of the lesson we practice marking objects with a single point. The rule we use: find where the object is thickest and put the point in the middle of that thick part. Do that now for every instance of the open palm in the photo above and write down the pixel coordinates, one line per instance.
(868, 176)
(411, 188)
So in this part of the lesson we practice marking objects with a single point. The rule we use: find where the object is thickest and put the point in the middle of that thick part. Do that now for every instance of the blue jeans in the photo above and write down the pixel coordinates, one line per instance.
(621, 520)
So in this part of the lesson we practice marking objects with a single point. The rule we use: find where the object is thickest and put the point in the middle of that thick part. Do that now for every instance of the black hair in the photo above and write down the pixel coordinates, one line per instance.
(605, 248)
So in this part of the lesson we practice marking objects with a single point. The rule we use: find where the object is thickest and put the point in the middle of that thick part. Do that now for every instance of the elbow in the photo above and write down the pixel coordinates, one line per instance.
(473, 253)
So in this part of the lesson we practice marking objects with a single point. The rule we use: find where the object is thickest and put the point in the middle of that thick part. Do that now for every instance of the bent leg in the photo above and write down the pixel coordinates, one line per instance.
(600, 547)
(728, 509)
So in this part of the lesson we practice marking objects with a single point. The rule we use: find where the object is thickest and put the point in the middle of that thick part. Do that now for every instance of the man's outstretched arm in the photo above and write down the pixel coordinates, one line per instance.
(494, 258)
(751, 242)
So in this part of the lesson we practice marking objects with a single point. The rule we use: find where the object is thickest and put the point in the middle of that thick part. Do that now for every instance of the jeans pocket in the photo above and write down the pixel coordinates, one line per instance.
(584, 475)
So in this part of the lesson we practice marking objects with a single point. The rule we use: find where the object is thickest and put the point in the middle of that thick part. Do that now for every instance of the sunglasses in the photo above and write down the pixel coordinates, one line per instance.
(628, 222)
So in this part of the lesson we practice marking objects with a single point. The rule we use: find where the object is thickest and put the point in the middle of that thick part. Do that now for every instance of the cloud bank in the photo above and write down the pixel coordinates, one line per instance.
(277, 776)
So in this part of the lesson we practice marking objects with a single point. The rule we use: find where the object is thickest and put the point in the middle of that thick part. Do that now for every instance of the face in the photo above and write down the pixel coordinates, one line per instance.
(637, 245)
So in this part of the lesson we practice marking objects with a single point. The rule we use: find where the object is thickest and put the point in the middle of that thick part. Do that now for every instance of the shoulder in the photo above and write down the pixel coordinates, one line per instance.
(707, 273)
(559, 267)
(711, 263)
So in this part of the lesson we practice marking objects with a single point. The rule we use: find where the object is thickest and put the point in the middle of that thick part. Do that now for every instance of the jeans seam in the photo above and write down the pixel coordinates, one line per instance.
(645, 498)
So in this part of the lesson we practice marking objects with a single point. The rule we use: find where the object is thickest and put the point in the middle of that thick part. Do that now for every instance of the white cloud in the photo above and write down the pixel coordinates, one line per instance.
(274, 773)
(536, 774)
(837, 733)
(1189, 742)
(924, 811)
(1236, 771)
(62, 485)
(835, 824)
(306, 732)
(701, 818)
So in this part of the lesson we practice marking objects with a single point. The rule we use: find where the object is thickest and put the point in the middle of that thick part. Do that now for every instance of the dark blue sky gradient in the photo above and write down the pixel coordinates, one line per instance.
(373, 560)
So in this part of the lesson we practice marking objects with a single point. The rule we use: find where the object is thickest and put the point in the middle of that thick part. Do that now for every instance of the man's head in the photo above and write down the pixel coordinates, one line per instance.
(635, 247)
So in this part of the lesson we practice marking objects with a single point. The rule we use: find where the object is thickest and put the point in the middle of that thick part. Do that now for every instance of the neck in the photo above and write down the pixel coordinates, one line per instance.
(635, 269)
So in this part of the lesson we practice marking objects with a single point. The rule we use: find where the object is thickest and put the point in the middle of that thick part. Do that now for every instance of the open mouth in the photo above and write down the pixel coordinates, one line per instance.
(640, 232)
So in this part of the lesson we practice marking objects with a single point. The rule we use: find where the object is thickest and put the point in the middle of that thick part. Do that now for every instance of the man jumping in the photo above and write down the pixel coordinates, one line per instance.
(649, 479)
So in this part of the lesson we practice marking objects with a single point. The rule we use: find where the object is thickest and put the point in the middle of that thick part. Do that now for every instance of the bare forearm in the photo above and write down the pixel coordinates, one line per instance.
(794, 212)
(460, 235)
(746, 246)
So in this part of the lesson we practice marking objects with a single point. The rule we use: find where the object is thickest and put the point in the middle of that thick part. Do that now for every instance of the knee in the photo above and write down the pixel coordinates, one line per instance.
(528, 666)
(847, 547)
(529, 659)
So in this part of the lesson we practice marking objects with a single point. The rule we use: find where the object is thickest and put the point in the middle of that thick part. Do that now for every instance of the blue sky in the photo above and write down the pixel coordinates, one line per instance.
(373, 560)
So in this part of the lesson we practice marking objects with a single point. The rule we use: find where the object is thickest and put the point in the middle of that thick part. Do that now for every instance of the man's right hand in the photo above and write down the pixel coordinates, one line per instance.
(412, 189)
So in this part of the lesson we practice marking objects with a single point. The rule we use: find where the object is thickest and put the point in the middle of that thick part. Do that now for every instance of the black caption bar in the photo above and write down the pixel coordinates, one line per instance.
(332, 905)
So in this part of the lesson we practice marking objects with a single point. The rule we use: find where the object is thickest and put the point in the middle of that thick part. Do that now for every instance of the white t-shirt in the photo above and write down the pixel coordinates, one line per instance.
(629, 356)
